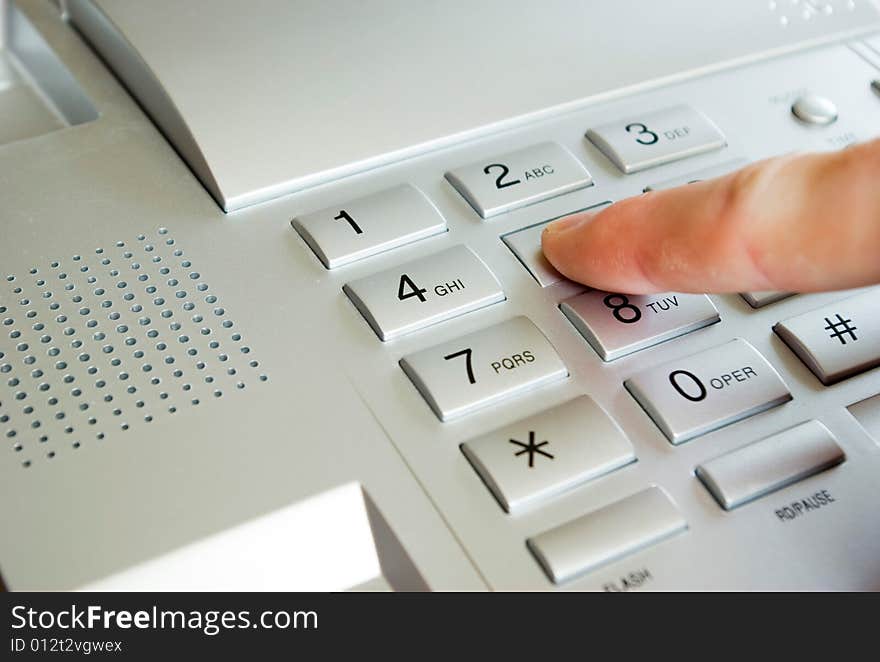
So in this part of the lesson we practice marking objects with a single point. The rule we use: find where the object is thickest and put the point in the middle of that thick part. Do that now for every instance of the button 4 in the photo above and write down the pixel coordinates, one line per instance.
(839, 340)
(503, 183)
(705, 391)
(653, 139)
(618, 324)
(482, 368)
(543, 455)
(424, 292)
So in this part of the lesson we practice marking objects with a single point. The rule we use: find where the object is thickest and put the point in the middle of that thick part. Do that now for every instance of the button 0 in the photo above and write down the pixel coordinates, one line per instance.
(423, 292)
(375, 223)
(813, 109)
(546, 454)
(839, 340)
(618, 324)
(653, 139)
(770, 464)
(482, 368)
(526, 245)
(694, 177)
(607, 534)
(503, 183)
(761, 299)
(706, 391)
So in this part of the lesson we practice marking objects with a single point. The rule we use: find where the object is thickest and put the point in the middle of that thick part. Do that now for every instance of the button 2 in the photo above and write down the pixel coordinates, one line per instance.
(770, 464)
(653, 139)
(375, 223)
(503, 183)
(618, 324)
(424, 292)
(706, 391)
(607, 534)
(839, 340)
(526, 245)
(482, 368)
(543, 455)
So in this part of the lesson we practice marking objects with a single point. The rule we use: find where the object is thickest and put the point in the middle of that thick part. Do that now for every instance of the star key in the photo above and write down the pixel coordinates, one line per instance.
(531, 448)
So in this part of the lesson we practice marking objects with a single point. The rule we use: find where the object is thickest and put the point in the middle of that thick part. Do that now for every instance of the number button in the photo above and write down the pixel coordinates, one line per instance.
(619, 324)
(369, 225)
(656, 138)
(839, 340)
(546, 454)
(424, 292)
(519, 178)
(643, 135)
(482, 368)
(706, 391)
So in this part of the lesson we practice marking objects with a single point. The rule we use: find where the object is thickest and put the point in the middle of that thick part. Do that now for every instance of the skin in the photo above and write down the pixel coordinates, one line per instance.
(796, 223)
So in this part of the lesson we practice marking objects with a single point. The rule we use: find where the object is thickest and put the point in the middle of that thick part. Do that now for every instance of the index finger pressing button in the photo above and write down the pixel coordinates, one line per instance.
(706, 391)
(481, 368)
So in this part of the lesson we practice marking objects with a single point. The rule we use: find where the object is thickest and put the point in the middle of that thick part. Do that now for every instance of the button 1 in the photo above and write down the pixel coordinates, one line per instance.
(770, 464)
(813, 109)
(482, 368)
(607, 534)
(761, 299)
(520, 178)
(363, 227)
(706, 391)
(839, 340)
(694, 177)
(424, 292)
(619, 324)
(653, 139)
(543, 455)
(526, 245)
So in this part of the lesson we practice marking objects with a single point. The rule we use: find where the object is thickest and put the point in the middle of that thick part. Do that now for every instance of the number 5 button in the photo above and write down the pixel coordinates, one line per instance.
(706, 391)
(509, 181)
(481, 368)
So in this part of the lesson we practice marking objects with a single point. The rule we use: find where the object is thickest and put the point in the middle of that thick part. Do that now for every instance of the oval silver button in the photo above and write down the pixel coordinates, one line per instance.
(814, 109)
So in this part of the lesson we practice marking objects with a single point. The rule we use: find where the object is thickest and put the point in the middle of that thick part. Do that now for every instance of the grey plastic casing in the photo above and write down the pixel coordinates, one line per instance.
(335, 407)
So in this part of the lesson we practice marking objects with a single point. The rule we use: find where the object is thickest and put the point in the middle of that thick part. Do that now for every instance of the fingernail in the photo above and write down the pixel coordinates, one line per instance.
(567, 223)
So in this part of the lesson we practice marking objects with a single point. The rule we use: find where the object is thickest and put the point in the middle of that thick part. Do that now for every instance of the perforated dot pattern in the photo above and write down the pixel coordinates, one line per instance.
(95, 344)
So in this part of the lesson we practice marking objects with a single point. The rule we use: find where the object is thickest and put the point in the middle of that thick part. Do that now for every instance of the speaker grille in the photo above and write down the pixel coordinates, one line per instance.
(96, 344)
